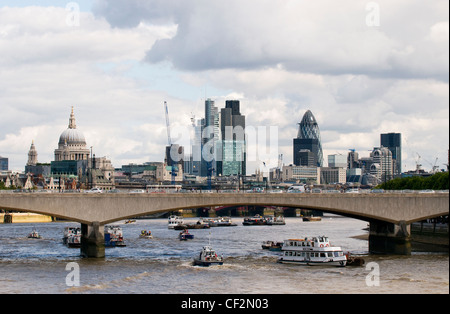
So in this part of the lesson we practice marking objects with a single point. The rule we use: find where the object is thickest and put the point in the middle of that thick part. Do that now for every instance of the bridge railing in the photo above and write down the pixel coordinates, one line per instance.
(316, 191)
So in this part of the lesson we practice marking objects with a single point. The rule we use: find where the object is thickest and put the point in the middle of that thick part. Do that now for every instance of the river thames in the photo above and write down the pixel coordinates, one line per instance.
(163, 265)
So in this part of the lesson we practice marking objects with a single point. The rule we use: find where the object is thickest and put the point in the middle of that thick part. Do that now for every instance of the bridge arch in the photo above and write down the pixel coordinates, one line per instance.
(390, 215)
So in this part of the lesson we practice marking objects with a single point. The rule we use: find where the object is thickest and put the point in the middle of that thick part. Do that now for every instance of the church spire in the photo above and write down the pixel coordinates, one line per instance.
(32, 155)
(72, 124)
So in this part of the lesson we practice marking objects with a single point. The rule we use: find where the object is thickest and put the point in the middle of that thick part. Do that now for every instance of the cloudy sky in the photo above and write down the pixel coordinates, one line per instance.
(362, 67)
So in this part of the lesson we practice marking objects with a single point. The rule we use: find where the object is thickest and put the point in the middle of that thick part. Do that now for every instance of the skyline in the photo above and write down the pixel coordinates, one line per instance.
(125, 58)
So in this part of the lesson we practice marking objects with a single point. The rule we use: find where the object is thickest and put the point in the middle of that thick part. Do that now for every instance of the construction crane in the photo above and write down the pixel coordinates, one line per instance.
(434, 167)
(169, 140)
(193, 119)
(418, 164)
(166, 109)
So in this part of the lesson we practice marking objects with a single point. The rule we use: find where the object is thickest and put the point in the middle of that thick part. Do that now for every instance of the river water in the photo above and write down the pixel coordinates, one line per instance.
(164, 264)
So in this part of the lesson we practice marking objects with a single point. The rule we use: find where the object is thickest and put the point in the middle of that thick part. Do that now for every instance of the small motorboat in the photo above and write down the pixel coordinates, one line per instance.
(130, 221)
(185, 235)
(354, 260)
(146, 234)
(208, 257)
(311, 219)
(34, 235)
(272, 246)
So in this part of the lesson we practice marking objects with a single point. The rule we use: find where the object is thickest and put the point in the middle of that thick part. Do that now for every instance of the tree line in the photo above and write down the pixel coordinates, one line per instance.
(438, 181)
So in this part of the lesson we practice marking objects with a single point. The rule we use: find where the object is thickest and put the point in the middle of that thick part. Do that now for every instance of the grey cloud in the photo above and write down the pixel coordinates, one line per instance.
(319, 37)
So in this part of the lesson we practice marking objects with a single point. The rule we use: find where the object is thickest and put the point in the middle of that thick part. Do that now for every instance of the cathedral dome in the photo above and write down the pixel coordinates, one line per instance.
(72, 136)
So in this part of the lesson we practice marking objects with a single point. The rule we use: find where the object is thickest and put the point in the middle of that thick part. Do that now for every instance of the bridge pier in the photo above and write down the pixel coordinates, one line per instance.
(93, 240)
(389, 238)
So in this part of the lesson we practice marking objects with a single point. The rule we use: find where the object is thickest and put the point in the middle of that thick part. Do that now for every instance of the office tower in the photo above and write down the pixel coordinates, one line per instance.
(210, 139)
(308, 138)
(382, 164)
(232, 125)
(337, 161)
(353, 159)
(393, 141)
(3, 163)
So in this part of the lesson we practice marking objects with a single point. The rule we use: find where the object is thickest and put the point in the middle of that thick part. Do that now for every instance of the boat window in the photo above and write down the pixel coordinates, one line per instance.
(336, 254)
(322, 255)
(330, 254)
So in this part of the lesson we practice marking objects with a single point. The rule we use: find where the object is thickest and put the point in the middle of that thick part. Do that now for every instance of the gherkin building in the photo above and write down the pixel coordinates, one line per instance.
(308, 139)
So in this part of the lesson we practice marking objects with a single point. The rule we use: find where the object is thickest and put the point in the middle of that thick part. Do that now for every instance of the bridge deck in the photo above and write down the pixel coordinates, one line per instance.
(107, 208)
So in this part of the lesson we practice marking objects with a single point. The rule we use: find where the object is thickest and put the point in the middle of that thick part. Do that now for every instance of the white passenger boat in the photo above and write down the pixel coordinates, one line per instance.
(175, 221)
(316, 251)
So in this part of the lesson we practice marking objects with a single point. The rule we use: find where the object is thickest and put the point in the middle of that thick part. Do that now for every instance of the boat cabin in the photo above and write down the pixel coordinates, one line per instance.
(315, 242)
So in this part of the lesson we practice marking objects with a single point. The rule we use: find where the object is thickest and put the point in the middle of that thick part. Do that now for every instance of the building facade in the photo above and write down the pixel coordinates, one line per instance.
(301, 174)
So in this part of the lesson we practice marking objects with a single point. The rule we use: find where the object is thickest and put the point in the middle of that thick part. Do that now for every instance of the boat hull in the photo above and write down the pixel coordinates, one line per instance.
(198, 262)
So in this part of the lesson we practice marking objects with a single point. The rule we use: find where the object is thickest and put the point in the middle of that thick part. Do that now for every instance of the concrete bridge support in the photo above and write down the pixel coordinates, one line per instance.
(93, 240)
(389, 238)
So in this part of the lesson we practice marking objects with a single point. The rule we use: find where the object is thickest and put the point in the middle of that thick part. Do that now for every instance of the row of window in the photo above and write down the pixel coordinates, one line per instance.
(313, 254)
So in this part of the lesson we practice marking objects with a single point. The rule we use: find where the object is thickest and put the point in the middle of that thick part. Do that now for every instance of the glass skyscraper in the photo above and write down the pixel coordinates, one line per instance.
(393, 141)
(308, 138)
(233, 143)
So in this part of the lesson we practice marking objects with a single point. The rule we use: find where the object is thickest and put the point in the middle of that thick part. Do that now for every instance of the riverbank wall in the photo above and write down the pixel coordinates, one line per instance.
(24, 218)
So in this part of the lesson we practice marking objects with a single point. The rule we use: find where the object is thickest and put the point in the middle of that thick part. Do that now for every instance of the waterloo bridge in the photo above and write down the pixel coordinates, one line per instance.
(389, 214)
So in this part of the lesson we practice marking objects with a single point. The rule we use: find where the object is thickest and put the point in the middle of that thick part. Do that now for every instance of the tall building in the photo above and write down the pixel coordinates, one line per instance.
(3, 163)
(210, 139)
(308, 138)
(393, 141)
(337, 161)
(233, 152)
(382, 164)
(353, 159)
